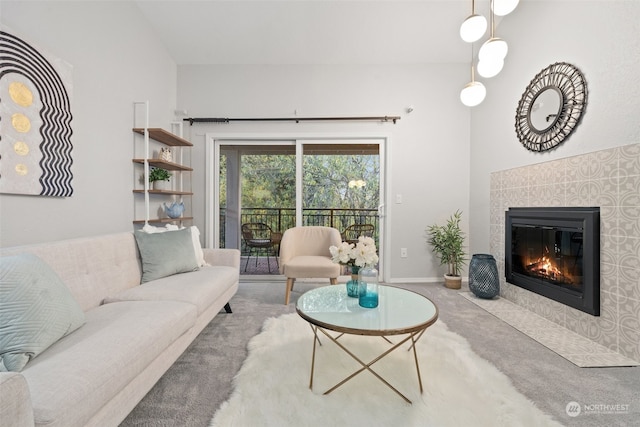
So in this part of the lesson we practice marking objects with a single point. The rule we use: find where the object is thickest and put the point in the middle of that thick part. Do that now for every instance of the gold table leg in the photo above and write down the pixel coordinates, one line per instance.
(414, 337)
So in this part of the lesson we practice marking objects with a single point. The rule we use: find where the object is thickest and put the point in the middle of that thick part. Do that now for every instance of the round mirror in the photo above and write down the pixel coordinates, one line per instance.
(551, 107)
(545, 110)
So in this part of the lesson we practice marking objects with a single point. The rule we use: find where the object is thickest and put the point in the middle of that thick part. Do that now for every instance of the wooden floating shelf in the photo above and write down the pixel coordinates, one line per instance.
(165, 137)
(163, 220)
(170, 166)
(166, 192)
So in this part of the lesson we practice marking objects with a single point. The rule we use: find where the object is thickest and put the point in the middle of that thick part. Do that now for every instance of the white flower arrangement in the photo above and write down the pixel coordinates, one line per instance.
(362, 253)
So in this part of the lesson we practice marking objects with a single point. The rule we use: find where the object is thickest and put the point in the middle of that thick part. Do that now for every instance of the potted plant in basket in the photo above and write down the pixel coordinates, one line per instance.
(362, 254)
(158, 177)
(448, 243)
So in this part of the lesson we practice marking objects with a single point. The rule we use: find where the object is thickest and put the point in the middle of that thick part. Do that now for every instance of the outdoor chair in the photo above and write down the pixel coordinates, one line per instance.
(352, 232)
(304, 253)
(258, 237)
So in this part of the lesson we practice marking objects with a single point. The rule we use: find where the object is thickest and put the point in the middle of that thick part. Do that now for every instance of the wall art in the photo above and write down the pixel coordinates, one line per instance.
(35, 121)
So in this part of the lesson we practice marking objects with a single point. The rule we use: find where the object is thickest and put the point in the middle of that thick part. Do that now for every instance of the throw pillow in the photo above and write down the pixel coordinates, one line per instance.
(195, 236)
(36, 310)
(165, 254)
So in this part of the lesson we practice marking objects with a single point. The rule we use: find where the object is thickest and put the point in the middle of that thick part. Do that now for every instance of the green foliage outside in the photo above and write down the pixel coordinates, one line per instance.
(268, 181)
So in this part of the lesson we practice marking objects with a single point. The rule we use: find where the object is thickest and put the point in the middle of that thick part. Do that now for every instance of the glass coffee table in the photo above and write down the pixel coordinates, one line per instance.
(400, 312)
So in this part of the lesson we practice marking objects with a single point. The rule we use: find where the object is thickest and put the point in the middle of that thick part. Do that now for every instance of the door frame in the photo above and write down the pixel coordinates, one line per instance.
(213, 141)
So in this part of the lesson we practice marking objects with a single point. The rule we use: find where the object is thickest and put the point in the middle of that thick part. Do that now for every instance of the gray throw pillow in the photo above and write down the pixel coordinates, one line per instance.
(36, 310)
(165, 254)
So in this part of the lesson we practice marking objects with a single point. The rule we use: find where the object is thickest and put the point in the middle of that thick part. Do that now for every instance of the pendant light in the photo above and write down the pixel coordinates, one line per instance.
(490, 68)
(474, 27)
(504, 7)
(473, 92)
(495, 48)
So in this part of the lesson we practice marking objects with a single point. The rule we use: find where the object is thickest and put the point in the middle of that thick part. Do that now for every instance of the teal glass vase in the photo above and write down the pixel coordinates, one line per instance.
(368, 287)
(352, 285)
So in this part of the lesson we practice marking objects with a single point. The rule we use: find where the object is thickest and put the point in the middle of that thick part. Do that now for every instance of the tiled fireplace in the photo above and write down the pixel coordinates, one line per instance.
(610, 180)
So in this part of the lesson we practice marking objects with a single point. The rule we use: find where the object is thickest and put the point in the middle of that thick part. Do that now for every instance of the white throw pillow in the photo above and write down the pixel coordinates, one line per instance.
(195, 236)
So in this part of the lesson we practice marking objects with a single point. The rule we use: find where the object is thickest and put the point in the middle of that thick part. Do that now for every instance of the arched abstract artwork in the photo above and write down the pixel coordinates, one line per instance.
(35, 122)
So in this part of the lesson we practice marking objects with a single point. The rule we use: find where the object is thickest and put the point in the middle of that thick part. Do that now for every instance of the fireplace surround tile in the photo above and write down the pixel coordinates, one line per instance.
(629, 220)
(568, 344)
(609, 179)
(629, 159)
(629, 282)
(604, 192)
(609, 216)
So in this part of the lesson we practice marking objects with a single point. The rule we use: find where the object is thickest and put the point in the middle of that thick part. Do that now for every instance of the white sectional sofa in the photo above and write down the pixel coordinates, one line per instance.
(132, 332)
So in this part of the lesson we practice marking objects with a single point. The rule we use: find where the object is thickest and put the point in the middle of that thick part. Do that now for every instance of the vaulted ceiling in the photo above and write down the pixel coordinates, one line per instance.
(312, 32)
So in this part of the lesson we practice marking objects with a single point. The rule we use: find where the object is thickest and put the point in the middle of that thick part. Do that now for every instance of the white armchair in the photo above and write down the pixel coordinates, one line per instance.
(304, 253)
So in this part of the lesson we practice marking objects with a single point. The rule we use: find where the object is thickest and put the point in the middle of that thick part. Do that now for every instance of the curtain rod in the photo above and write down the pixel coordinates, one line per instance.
(192, 120)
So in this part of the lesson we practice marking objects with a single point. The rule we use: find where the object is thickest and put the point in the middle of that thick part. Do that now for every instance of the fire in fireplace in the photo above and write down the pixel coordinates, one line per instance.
(555, 252)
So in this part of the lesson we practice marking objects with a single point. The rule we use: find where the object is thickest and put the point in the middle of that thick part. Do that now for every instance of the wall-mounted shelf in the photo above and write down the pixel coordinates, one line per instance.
(163, 220)
(170, 166)
(165, 137)
(155, 140)
(166, 192)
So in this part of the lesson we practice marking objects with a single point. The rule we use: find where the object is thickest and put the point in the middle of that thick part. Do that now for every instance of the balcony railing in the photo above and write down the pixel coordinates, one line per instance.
(280, 219)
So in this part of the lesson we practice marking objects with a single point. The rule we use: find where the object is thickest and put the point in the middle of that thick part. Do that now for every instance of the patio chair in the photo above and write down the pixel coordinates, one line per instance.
(258, 237)
(304, 253)
(352, 232)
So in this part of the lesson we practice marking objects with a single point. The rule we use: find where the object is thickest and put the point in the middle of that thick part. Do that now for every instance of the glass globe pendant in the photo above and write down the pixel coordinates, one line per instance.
(474, 27)
(490, 68)
(495, 48)
(473, 94)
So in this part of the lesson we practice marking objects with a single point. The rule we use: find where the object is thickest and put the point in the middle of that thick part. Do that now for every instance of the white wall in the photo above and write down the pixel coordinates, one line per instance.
(601, 39)
(429, 152)
(116, 60)
(437, 164)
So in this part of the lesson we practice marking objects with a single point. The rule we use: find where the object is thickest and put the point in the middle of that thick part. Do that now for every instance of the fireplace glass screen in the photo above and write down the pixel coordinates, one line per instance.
(549, 254)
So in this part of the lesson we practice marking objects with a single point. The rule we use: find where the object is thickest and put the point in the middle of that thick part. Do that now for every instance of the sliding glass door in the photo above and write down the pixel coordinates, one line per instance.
(333, 182)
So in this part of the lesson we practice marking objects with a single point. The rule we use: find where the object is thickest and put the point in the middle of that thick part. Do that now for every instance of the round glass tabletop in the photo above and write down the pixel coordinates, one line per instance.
(399, 311)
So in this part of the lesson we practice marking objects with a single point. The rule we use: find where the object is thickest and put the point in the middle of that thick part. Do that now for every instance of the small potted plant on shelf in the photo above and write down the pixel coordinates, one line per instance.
(448, 243)
(159, 178)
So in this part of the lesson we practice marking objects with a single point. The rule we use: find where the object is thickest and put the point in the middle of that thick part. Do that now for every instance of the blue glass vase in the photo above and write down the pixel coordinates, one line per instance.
(352, 285)
(368, 287)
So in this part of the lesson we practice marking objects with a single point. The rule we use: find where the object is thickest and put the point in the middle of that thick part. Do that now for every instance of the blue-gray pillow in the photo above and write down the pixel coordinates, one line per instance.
(165, 254)
(36, 310)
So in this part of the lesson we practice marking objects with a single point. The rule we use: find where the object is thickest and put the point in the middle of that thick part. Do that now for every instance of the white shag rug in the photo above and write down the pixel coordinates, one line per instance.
(460, 388)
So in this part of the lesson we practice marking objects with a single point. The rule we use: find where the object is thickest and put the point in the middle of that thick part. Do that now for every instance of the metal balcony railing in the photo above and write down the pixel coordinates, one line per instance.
(280, 219)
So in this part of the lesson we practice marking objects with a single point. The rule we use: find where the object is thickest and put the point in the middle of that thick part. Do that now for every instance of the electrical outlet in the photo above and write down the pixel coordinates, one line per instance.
(398, 198)
(403, 252)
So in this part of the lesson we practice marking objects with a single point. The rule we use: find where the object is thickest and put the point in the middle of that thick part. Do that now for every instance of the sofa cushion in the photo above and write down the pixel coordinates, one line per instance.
(165, 254)
(200, 288)
(74, 378)
(37, 310)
